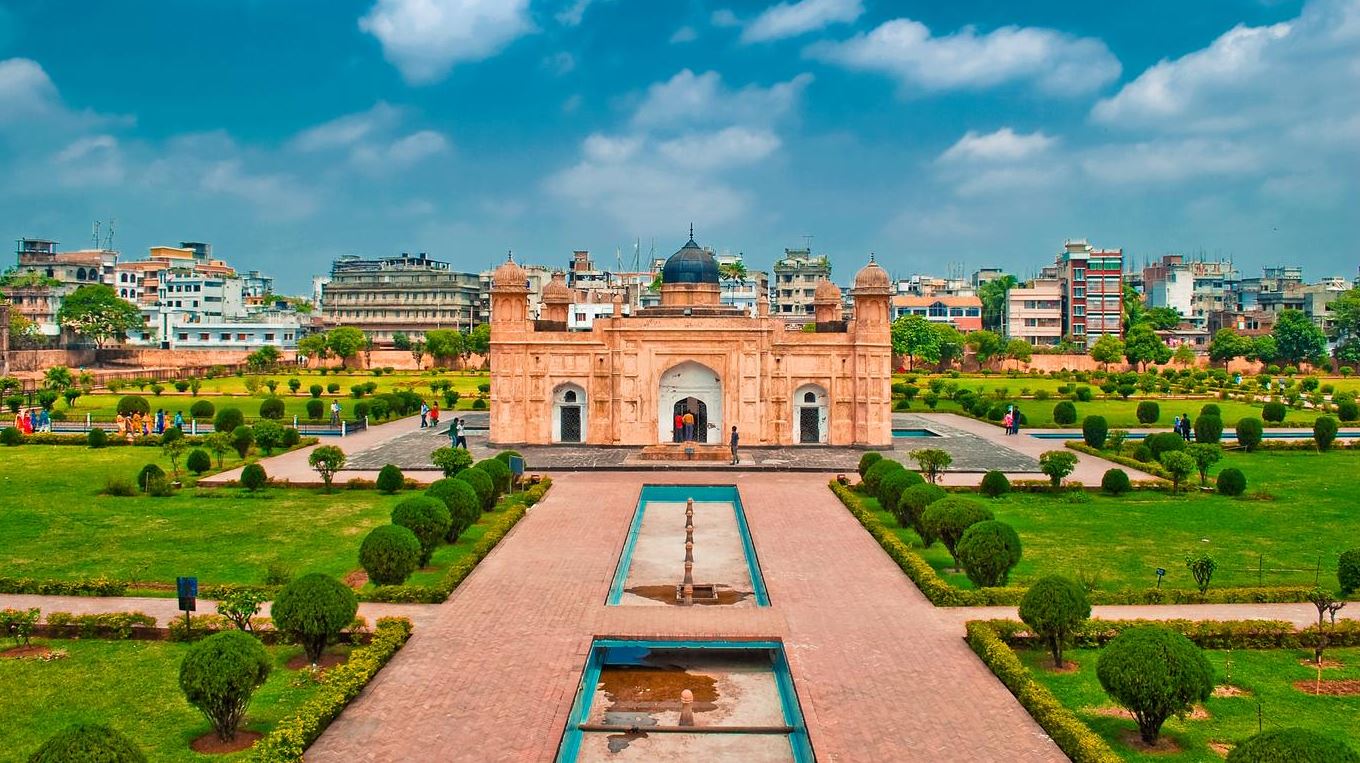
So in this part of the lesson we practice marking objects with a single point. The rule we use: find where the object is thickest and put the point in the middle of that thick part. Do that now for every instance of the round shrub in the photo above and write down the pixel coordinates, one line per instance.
(88, 742)
(989, 551)
(1163, 442)
(361, 410)
(505, 455)
(1115, 482)
(1324, 432)
(1154, 673)
(1292, 745)
(498, 472)
(241, 439)
(333, 387)
(315, 409)
(202, 409)
(97, 438)
(314, 390)
(1143, 453)
(271, 408)
(1347, 410)
(891, 486)
(995, 484)
(452, 460)
(147, 474)
(253, 477)
(1210, 409)
(291, 437)
(878, 471)
(131, 404)
(1095, 430)
(867, 460)
(911, 506)
(1273, 412)
(390, 479)
(1208, 429)
(1148, 412)
(268, 435)
(481, 483)
(1231, 482)
(389, 554)
(465, 507)
(1065, 413)
(313, 610)
(198, 461)
(228, 420)
(479, 404)
(1053, 608)
(1348, 571)
(1250, 430)
(11, 436)
(949, 517)
(428, 518)
(219, 675)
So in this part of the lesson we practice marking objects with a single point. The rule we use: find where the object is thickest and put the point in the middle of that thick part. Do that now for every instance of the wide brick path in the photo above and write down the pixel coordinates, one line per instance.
(880, 675)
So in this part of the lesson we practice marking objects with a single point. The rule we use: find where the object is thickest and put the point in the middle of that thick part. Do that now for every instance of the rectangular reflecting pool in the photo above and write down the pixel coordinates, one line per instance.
(629, 706)
(916, 432)
(652, 563)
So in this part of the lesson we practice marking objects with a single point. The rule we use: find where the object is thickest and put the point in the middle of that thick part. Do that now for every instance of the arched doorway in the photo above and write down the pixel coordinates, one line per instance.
(698, 409)
(699, 388)
(809, 414)
(569, 414)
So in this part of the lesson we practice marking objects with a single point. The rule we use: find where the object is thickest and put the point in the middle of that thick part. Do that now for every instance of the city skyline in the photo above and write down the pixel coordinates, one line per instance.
(984, 136)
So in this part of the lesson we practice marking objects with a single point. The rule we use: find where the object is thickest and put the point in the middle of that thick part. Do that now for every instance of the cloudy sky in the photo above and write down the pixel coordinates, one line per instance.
(934, 134)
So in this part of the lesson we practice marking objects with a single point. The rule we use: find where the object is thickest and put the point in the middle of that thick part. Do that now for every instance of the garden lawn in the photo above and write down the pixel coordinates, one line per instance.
(1268, 676)
(1122, 414)
(132, 686)
(55, 525)
(1124, 540)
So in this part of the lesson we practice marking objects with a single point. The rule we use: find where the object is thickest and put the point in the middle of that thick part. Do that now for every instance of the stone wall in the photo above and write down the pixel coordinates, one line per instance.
(402, 360)
(37, 361)
(1048, 363)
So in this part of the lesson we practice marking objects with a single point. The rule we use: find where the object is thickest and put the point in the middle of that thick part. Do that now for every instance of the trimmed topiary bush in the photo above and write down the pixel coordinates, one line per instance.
(481, 483)
(131, 404)
(878, 471)
(1249, 432)
(452, 461)
(1348, 571)
(1231, 482)
(220, 674)
(1324, 432)
(1163, 442)
(389, 554)
(891, 486)
(1053, 608)
(505, 455)
(1210, 409)
(989, 551)
(97, 438)
(228, 420)
(1115, 482)
(498, 472)
(428, 518)
(202, 409)
(1348, 410)
(1273, 412)
(315, 409)
(995, 484)
(84, 742)
(198, 461)
(479, 404)
(268, 435)
(313, 610)
(465, 507)
(948, 518)
(253, 477)
(911, 506)
(1154, 673)
(1208, 429)
(390, 479)
(1065, 413)
(1148, 412)
(291, 437)
(147, 474)
(241, 440)
(11, 436)
(1292, 745)
(1095, 430)
(867, 460)
(271, 408)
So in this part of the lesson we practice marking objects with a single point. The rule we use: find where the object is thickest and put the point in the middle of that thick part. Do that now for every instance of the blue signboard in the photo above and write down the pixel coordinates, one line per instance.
(187, 590)
(517, 465)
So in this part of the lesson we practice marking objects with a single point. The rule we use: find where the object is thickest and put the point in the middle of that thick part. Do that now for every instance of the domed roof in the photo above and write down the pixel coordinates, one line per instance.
(872, 276)
(509, 275)
(692, 264)
(556, 290)
(826, 292)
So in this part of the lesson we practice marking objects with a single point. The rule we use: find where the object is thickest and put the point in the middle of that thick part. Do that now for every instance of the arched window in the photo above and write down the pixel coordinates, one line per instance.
(810, 397)
(80, 274)
(569, 396)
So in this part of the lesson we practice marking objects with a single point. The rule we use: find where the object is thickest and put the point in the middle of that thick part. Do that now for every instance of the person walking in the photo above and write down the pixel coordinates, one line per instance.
(44, 421)
(434, 415)
(335, 413)
(160, 421)
(453, 433)
(1015, 420)
(460, 427)
(679, 427)
(1186, 429)
(179, 420)
(689, 426)
(424, 415)
(733, 439)
(1006, 422)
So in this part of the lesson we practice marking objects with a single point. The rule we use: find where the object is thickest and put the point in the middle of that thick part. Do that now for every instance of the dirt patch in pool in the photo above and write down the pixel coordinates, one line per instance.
(647, 689)
(209, 744)
(1332, 687)
(666, 595)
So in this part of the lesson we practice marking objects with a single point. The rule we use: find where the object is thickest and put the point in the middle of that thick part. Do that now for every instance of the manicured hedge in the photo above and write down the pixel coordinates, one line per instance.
(1208, 634)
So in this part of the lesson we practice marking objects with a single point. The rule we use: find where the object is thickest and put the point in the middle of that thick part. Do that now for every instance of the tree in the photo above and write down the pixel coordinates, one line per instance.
(1057, 464)
(242, 438)
(1228, 345)
(268, 435)
(1205, 455)
(932, 461)
(732, 271)
(1095, 430)
(313, 345)
(1292, 744)
(989, 551)
(263, 359)
(220, 674)
(1346, 326)
(1178, 466)
(1202, 567)
(57, 378)
(1183, 355)
(1143, 346)
(241, 605)
(993, 296)
(1154, 673)
(451, 460)
(1053, 608)
(21, 329)
(1264, 349)
(465, 507)
(914, 338)
(1107, 349)
(428, 518)
(1162, 318)
(1249, 431)
(478, 341)
(1298, 339)
(1324, 432)
(327, 460)
(443, 344)
(1019, 350)
(1348, 571)
(173, 449)
(313, 610)
(417, 349)
(219, 443)
(88, 742)
(389, 554)
(390, 479)
(1326, 603)
(986, 345)
(345, 342)
(948, 519)
(950, 341)
(1133, 308)
(96, 311)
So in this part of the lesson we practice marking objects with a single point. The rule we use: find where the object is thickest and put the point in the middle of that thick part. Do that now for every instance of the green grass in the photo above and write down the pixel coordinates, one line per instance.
(132, 686)
(1268, 675)
(1122, 414)
(1124, 540)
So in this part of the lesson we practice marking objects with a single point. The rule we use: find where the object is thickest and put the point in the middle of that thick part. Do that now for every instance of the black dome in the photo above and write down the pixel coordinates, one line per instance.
(692, 264)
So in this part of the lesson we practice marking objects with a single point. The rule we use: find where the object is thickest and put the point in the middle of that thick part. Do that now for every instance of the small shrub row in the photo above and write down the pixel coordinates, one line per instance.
(1208, 634)
(103, 625)
(100, 586)
(1148, 467)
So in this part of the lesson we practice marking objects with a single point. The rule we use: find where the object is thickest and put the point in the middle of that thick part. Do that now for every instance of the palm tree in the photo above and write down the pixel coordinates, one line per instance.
(733, 271)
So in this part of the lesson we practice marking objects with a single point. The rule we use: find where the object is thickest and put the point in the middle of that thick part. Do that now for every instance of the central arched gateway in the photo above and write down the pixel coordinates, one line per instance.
(695, 388)
(569, 413)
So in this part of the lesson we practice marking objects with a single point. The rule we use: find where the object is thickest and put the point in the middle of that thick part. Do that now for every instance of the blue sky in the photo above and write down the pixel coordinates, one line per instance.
(934, 134)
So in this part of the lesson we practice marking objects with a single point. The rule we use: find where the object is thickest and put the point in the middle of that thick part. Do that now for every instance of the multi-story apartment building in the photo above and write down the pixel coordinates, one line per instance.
(796, 276)
(1092, 291)
(1193, 288)
(1034, 312)
(44, 276)
(405, 294)
(962, 312)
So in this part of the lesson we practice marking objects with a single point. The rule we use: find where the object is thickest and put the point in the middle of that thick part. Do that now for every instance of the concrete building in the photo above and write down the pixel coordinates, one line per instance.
(624, 381)
(405, 294)
(963, 313)
(1034, 312)
(745, 291)
(796, 276)
(43, 277)
(1193, 288)
(1092, 291)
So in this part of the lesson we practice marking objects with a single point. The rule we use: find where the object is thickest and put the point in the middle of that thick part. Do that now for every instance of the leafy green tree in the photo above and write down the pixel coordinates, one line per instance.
(58, 378)
(1133, 308)
(428, 518)
(951, 343)
(451, 460)
(1346, 326)
(932, 461)
(1107, 349)
(345, 342)
(1053, 608)
(219, 443)
(478, 341)
(1228, 345)
(989, 551)
(948, 519)
(313, 345)
(1298, 339)
(389, 554)
(1178, 465)
(1154, 673)
(1183, 355)
(241, 605)
(914, 338)
(88, 742)
(986, 345)
(1264, 348)
(327, 460)
(993, 296)
(443, 344)
(96, 311)
(220, 674)
(1019, 350)
(313, 610)
(732, 271)
(1057, 464)
(1143, 346)
(1205, 455)
(1162, 318)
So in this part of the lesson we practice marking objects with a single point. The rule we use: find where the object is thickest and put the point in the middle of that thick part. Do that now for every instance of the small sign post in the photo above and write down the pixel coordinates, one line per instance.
(187, 590)
(1161, 571)
(516, 469)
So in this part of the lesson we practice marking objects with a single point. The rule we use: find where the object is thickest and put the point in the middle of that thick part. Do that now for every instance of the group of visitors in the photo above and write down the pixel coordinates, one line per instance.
(684, 427)
(34, 420)
(1182, 427)
(137, 424)
(429, 415)
(1011, 421)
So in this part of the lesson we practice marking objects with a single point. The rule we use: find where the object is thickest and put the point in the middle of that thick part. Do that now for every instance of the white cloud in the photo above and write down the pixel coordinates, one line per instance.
(730, 147)
(1053, 62)
(29, 101)
(1164, 161)
(792, 19)
(724, 18)
(372, 140)
(425, 38)
(573, 13)
(348, 130)
(91, 161)
(689, 98)
(401, 153)
(644, 195)
(610, 150)
(1003, 145)
(274, 195)
(684, 34)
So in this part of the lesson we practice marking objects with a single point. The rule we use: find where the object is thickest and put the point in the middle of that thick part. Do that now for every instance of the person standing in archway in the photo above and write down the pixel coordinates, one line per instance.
(679, 430)
(733, 440)
(689, 426)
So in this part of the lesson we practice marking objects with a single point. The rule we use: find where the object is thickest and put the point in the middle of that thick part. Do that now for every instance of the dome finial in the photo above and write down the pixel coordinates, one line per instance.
(691, 231)
(510, 255)
(871, 256)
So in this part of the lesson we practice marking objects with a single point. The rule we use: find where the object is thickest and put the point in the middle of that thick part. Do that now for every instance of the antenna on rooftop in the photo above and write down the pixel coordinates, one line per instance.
(108, 240)
(807, 241)
(95, 235)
